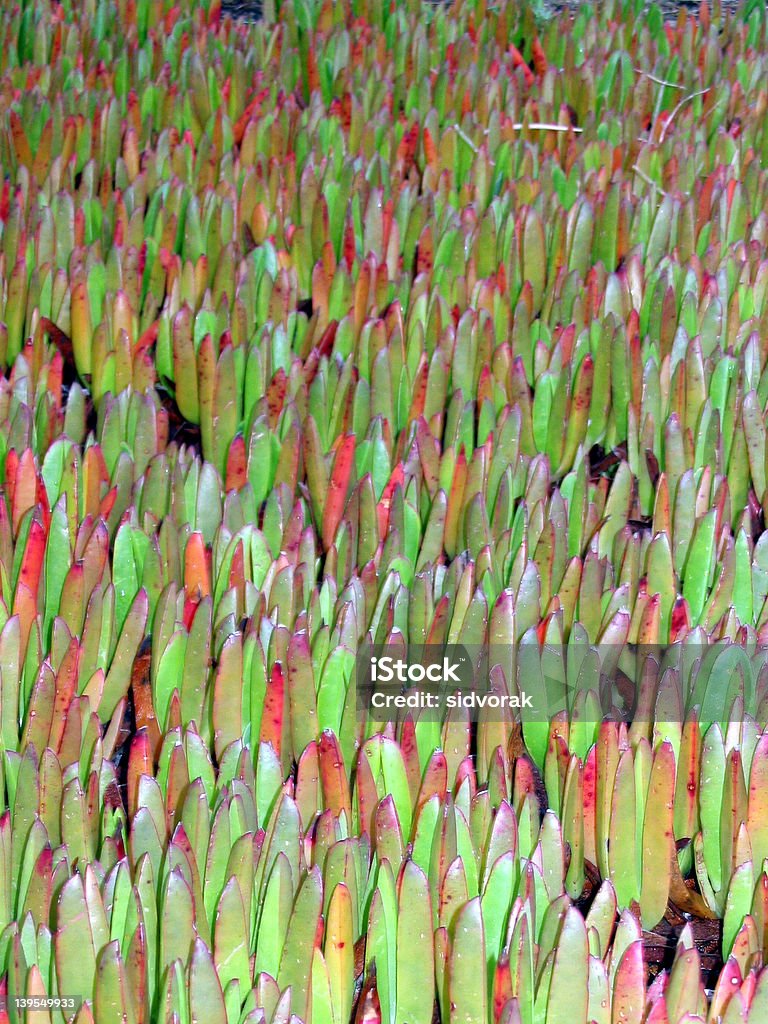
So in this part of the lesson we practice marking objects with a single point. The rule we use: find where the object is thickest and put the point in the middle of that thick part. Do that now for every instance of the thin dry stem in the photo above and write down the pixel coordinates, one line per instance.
(538, 126)
(465, 138)
(675, 110)
(658, 81)
(647, 180)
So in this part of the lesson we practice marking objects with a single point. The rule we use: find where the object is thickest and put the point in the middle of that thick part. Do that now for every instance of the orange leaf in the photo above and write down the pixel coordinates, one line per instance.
(539, 57)
(25, 606)
(430, 149)
(502, 986)
(485, 385)
(171, 17)
(272, 714)
(276, 391)
(41, 496)
(337, 488)
(333, 776)
(313, 76)
(387, 216)
(541, 629)
(134, 111)
(350, 247)
(56, 377)
(108, 503)
(56, 45)
(42, 159)
(425, 251)
(24, 485)
(252, 109)
(518, 61)
(11, 469)
(147, 339)
(236, 475)
(20, 141)
(196, 577)
(455, 501)
(385, 502)
(419, 390)
(237, 569)
(65, 692)
(32, 559)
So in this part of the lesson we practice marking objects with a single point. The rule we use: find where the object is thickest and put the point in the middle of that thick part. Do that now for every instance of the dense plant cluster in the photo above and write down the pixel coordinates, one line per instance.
(380, 322)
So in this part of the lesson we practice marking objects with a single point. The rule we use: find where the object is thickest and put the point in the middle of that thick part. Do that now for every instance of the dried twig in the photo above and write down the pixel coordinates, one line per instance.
(465, 138)
(684, 100)
(647, 180)
(658, 81)
(538, 126)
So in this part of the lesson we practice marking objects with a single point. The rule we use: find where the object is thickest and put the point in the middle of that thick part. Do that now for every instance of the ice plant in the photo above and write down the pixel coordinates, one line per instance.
(381, 323)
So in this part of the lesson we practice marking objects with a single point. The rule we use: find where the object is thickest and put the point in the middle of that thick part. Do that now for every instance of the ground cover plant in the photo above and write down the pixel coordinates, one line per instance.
(384, 323)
